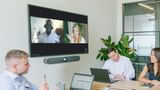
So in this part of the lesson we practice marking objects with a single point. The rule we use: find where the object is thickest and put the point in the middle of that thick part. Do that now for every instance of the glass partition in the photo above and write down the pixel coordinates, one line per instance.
(141, 20)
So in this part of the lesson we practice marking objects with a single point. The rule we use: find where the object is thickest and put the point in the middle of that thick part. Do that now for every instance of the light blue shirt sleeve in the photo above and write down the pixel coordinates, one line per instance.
(7, 86)
(11, 81)
(10, 86)
(33, 87)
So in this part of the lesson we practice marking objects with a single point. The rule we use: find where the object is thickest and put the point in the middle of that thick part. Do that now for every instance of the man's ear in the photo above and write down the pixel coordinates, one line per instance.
(14, 66)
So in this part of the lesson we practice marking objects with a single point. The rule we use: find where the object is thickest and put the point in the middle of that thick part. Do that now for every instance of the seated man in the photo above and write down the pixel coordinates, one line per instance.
(48, 36)
(12, 78)
(119, 66)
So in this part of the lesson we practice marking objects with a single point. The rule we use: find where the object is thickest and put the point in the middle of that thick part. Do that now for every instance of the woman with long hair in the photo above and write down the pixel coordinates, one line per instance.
(153, 68)
(77, 38)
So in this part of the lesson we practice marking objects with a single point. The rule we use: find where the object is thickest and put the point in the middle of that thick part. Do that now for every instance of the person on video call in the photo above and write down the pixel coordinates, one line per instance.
(12, 78)
(153, 68)
(77, 38)
(119, 66)
(48, 36)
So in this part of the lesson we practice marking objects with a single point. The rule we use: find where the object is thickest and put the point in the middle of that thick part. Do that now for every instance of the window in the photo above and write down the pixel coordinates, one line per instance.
(142, 23)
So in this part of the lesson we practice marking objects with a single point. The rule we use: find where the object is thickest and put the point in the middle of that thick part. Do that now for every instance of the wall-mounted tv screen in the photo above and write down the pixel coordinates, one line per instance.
(56, 32)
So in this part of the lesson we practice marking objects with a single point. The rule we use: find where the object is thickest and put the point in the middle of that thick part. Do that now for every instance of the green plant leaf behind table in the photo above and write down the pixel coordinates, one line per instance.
(122, 47)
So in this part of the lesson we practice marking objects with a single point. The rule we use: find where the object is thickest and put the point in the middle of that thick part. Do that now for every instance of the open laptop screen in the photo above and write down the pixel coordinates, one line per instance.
(82, 82)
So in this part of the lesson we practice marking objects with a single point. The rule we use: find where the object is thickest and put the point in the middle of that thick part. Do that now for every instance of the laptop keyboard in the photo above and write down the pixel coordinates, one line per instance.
(76, 89)
(114, 80)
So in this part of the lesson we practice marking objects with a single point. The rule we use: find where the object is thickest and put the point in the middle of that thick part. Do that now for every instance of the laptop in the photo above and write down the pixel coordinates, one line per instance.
(102, 75)
(81, 82)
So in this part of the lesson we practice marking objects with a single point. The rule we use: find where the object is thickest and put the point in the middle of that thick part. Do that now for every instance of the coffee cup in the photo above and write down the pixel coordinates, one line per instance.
(106, 88)
(61, 85)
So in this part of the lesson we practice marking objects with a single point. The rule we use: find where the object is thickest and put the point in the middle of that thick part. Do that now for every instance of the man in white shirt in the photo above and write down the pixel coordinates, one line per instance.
(48, 36)
(119, 66)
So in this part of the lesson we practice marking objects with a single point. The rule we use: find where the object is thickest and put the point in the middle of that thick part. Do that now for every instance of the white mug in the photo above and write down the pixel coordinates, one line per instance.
(106, 88)
(61, 85)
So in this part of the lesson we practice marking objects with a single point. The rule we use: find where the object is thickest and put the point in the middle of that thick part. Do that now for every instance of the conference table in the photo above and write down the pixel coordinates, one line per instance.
(120, 85)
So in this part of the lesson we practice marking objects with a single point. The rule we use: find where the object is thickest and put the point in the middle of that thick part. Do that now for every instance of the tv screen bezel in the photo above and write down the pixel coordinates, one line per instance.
(43, 49)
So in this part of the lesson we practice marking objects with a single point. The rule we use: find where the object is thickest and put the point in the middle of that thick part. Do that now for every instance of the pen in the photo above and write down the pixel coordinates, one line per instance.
(122, 73)
(44, 77)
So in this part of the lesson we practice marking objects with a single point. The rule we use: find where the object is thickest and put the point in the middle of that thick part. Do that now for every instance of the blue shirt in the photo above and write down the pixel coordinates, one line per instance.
(151, 75)
(11, 81)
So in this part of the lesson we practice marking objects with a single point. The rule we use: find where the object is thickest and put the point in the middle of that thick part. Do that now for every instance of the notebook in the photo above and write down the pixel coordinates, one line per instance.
(102, 75)
(146, 85)
(81, 82)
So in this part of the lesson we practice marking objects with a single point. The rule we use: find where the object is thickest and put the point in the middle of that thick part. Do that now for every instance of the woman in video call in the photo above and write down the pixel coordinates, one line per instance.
(153, 68)
(77, 38)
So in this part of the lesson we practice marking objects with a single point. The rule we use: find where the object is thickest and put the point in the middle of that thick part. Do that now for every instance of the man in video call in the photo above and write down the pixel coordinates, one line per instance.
(48, 36)
(12, 78)
(119, 66)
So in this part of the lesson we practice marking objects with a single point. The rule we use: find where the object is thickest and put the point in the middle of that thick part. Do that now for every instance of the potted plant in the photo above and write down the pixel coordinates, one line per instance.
(122, 48)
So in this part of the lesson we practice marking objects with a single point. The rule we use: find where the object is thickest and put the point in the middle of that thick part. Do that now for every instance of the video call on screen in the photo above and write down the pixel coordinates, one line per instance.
(53, 32)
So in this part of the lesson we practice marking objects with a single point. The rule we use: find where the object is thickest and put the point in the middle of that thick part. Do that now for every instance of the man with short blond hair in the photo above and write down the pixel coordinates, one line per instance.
(12, 78)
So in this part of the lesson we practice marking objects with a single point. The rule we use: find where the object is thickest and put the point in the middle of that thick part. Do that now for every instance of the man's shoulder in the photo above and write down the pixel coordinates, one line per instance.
(109, 61)
(6, 84)
(4, 80)
(53, 33)
(42, 34)
(124, 58)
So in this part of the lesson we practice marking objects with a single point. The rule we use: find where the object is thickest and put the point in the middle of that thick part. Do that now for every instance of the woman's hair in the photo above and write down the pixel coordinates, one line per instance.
(157, 56)
(79, 34)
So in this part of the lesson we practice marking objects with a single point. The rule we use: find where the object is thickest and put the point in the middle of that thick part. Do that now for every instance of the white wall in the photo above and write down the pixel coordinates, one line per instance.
(102, 18)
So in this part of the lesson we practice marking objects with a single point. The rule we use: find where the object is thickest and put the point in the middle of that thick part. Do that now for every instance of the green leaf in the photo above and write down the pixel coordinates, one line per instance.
(125, 41)
(107, 45)
(130, 56)
(127, 37)
(119, 52)
(125, 53)
(102, 57)
(106, 57)
(105, 42)
(103, 50)
(113, 43)
(130, 40)
(109, 39)
(122, 37)
(133, 50)
(98, 55)
(116, 46)
(100, 51)
(120, 45)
